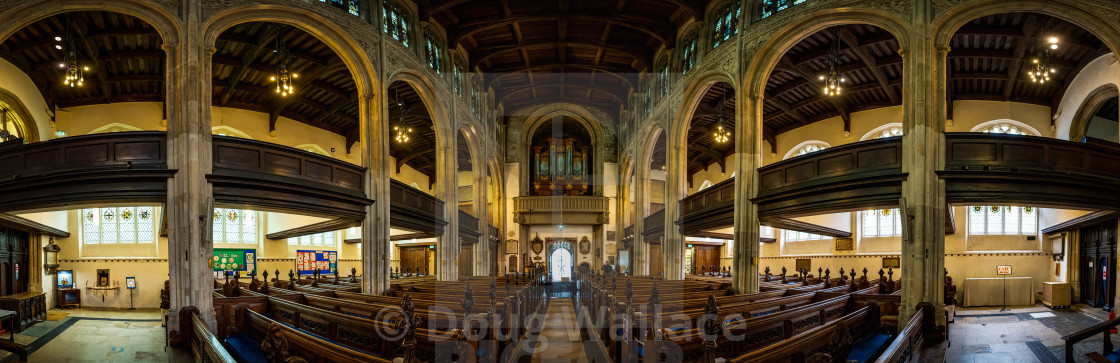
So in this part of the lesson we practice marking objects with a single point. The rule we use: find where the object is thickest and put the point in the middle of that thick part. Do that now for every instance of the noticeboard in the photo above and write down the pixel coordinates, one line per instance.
(233, 259)
(310, 261)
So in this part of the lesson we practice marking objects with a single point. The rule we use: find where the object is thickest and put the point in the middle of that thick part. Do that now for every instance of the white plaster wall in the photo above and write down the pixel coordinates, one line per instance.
(19, 84)
(713, 173)
(1101, 71)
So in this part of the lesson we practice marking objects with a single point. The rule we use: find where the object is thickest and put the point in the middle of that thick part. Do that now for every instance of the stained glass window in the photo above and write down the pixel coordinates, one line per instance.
(235, 226)
(457, 79)
(350, 6)
(688, 54)
(325, 239)
(769, 7)
(474, 99)
(646, 102)
(395, 22)
(797, 236)
(1002, 220)
(882, 223)
(118, 225)
(663, 80)
(726, 24)
(434, 53)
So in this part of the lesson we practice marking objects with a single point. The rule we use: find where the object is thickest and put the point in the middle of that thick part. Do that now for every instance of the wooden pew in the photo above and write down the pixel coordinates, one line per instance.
(830, 341)
(203, 344)
(1107, 353)
(921, 340)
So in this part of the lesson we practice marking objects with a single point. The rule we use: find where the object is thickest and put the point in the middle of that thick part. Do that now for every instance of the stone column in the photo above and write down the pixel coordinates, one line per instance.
(482, 248)
(748, 152)
(189, 196)
(35, 256)
(375, 226)
(923, 193)
(448, 244)
(672, 240)
(638, 262)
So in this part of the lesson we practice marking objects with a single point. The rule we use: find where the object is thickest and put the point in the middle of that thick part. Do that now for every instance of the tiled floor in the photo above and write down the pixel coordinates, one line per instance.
(559, 340)
(95, 336)
(987, 335)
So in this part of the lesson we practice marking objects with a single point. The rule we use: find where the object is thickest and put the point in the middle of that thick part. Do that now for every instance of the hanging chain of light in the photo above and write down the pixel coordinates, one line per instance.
(283, 76)
(75, 72)
(401, 130)
(1040, 66)
(832, 79)
(720, 133)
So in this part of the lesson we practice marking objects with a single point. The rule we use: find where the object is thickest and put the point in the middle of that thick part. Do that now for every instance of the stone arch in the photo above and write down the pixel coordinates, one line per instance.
(27, 128)
(1089, 107)
(642, 170)
(954, 18)
(578, 113)
(478, 160)
(428, 95)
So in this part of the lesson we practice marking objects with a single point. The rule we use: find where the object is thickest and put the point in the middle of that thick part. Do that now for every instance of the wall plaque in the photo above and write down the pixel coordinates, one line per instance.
(803, 264)
(511, 246)
(584, 246)
(891, 262)
(844, 244)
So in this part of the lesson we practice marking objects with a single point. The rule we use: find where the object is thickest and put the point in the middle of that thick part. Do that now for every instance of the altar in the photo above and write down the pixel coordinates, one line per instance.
(989, 291)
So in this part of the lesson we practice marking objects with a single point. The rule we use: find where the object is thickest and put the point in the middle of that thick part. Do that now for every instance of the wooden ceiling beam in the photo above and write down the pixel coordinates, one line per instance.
(639, 54)
(617, 97)
(1030, 29)
(335, 107)
(784, 106)
(716, 156)
(250, 56)
(1056, 100)
(694, 8)
(99, 70)
(662, 30)
(868, 59)
(807, 75)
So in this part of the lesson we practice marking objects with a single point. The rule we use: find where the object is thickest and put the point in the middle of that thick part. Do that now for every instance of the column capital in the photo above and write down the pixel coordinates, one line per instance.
(943, 49)
(755, 96)
(169, 47)
(903, 52)
(210, 50)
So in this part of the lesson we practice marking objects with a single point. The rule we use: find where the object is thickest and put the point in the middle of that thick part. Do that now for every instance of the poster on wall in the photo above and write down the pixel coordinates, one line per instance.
(235, 259)
(311, 261)
(65, 279)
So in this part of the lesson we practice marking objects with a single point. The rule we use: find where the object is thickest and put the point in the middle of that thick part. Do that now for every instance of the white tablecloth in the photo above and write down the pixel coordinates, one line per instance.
(989, 291)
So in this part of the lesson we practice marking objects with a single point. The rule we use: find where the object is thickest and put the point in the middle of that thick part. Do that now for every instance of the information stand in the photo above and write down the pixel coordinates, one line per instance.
(1004, 270)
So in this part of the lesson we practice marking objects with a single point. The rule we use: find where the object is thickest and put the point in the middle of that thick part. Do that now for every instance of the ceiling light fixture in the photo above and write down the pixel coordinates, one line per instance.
(1040, 65)
(283, 76)
(720, 133)
(75, 72)
(401, 130)
(832, 79)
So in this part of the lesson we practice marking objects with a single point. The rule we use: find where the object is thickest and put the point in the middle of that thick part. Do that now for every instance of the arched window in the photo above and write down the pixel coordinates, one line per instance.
(663, 80)
(888, 130)
(806, 147)
(1006, 220)
(351, 6)
(395, 22)
(229, 131)
(1005, 126)
(475, 99)
(705, 185)
(457, 77)
(325, 239)
(235, 226)
(726, 23)
(882, 223)
(114, 127)
(134, 224)
(10, 122)
(769, 7)
(646, 99)
(688, 53)
(1103, 124)
(433, 51)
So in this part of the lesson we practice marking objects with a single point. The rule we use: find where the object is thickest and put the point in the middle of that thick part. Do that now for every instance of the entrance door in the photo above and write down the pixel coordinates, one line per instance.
(656, 259)
(466, 261)
(706, 257)
(1098, 245)
(414, 258)
(560, 263)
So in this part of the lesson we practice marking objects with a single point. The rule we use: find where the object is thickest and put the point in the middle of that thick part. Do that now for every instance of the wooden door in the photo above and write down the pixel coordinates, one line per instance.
(656, 259)
(1098, 245)
(414, 257)
(466, 261)
(706, 257)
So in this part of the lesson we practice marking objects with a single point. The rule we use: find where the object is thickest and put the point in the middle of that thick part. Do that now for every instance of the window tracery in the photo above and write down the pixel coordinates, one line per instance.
(434, 52)
(1002, 220)
(770, 7)
(111, 225)
(882, 223)
(726, 23)
(235, 226)
(324, 239)
(688, 54)
(395, 22)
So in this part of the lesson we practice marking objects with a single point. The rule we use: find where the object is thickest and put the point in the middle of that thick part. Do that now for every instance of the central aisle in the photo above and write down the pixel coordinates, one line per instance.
(559, 340)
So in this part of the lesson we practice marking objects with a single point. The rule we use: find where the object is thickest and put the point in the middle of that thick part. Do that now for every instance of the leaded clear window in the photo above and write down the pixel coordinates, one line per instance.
(1006, 129)
(133, 224)
(395, 22)
(726, 24)
(1002, 220)
(769, 7)
(891, 132)
(811, 148)
(882, 223)
(235, 226)
(434, 52)
(325, 239)
(688, 55)
(798, 236)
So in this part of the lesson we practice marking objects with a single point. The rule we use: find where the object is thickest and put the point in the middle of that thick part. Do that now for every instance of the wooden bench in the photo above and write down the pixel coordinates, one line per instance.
(921, 340)
(1107, 353)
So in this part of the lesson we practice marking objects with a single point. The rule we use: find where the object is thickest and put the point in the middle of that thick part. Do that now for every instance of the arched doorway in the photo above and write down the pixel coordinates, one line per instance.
(560, 261)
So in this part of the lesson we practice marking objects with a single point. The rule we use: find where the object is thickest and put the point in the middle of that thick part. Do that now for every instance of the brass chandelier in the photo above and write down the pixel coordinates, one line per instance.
(720, 133)
(283, 76)
(832, 79)
(74, 71)
(401, 130)
(1040, 65)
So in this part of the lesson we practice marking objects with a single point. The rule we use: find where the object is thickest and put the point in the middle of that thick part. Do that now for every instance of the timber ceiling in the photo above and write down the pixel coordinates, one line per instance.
(703, 150)
(420, 151)
(581, 51)
(989, 60)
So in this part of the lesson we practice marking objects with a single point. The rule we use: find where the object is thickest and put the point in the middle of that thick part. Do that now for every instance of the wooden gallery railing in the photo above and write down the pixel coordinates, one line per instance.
(84, 169)
(415, 210)
(847, 177)
(711, 208)
(258, 173)
(997, 168)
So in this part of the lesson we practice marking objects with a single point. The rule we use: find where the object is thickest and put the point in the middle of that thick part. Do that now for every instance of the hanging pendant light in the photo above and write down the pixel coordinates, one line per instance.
(74, 71)
(720, 133)
(401, 130)
(1040, 65)
(832, 79)
(283, 77)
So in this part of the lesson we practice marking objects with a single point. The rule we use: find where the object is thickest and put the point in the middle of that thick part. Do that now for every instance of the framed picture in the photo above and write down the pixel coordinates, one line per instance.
(803, 264)
(102, 277)
(1003, 270)
(65, 279)
(130, 282)
(844, 244)
(891, 262)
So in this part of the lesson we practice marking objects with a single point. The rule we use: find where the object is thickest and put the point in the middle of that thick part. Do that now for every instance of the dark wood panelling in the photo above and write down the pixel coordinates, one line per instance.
(997, 168)
(325, 226)
(849, 177)
(267, 176)
(468, 227)
(710, 208)
(414, 210)
(654, 225)
(96, 168)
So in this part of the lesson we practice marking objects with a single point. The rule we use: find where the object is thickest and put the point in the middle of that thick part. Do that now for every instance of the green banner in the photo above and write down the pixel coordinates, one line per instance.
(228, 259)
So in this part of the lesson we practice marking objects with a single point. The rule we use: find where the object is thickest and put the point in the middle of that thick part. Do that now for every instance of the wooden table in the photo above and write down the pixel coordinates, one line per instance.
(990, 291)
(30, 307)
